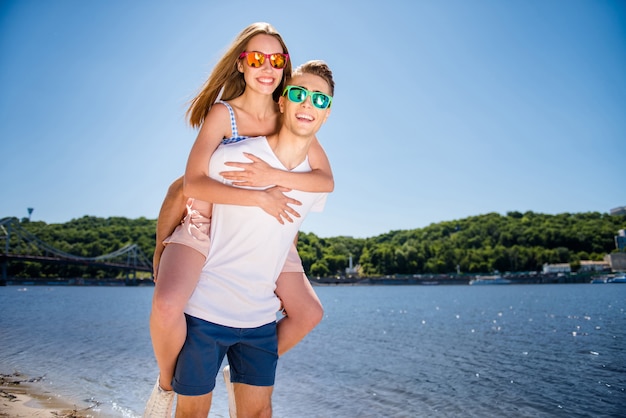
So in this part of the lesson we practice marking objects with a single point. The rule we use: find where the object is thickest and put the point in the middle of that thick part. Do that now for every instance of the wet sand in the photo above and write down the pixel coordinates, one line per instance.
(25, 397)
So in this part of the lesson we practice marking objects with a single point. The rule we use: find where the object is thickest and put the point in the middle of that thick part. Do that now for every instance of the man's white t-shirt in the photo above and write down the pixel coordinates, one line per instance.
(248, 248)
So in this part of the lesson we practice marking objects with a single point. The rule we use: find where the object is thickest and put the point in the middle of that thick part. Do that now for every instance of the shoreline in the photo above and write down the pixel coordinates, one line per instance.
(24, 397)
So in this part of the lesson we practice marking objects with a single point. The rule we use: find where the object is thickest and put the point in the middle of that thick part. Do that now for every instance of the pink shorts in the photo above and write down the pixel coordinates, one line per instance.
(194, 233)
(293, 263)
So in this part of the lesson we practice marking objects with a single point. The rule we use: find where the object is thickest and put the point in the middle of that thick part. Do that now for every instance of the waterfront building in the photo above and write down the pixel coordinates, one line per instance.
(617, 261)
(594, 266)
(618, 211)
(557, 268)
(620, 240)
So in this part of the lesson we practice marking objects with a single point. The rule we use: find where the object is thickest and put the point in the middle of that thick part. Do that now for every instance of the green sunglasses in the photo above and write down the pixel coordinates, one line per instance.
(299, 94)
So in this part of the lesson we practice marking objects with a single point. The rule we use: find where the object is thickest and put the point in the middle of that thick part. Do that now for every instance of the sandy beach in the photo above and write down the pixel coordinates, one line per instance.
(24, 397)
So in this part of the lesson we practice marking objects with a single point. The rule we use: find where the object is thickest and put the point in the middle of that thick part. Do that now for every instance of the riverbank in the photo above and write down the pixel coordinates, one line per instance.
(458, 279)
(350, 280)
(24, 397)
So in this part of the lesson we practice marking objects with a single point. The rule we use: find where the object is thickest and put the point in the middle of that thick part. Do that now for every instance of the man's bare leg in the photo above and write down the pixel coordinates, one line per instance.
(253, 401)
(193, 406)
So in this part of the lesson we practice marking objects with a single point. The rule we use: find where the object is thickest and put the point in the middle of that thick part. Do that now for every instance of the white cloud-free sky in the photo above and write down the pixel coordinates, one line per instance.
(442, 110)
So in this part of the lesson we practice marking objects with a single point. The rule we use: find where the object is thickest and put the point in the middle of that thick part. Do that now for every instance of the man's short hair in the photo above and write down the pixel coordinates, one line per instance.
(318, 68)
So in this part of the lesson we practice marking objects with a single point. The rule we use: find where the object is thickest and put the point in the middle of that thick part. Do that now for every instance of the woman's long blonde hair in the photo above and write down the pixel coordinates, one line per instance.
(226, 76)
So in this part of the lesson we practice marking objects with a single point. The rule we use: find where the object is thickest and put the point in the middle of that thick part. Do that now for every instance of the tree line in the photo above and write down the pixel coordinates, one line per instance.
(515, 242)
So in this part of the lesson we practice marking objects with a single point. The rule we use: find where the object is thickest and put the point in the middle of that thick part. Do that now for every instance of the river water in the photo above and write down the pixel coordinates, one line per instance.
(381, 351)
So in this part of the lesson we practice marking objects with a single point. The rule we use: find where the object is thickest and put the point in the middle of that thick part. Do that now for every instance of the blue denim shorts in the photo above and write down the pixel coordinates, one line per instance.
(252, 355)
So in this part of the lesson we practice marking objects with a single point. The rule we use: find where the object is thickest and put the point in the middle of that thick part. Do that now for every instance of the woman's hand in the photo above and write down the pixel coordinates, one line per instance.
(258, 173)
(276, 203)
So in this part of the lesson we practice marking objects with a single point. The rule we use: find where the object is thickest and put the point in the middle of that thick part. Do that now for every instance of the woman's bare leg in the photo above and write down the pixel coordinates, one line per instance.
(303, 307)
(179, 272)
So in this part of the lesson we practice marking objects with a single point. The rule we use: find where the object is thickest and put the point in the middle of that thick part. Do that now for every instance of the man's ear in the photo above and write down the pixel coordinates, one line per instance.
(281, 104)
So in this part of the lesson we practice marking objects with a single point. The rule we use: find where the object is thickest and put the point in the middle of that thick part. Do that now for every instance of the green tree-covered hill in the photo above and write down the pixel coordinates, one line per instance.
(478, 244)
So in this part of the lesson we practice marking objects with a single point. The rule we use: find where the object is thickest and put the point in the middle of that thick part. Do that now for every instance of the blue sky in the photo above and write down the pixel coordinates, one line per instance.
(442, 110)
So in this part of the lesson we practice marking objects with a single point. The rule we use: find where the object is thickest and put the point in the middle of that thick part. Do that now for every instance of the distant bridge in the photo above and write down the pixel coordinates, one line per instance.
(21, 245)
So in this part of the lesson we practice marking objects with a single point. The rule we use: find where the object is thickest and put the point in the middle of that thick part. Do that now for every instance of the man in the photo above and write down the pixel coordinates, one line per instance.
(233, 308)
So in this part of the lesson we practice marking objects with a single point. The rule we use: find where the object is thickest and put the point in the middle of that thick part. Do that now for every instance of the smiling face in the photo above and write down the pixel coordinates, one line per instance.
(304, 119)
(264, 79)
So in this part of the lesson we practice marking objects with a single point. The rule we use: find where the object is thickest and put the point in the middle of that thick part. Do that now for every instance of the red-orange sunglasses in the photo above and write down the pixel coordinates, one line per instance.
(255, 59)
